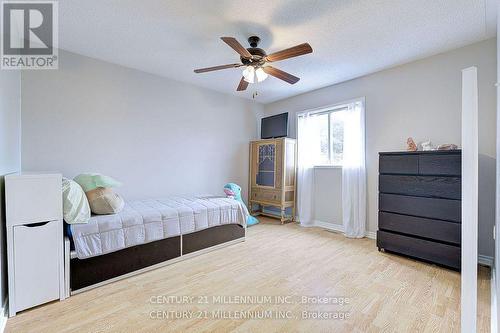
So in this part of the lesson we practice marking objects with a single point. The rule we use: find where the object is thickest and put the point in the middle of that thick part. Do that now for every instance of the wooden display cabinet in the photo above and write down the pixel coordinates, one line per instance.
(273, 164)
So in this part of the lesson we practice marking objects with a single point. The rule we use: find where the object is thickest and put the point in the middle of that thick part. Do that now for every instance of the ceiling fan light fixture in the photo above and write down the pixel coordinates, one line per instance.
(252, 75)
(249, 74)
(261, 75)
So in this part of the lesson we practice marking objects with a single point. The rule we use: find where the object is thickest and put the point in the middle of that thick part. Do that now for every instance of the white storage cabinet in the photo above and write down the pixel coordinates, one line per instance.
(35, 259)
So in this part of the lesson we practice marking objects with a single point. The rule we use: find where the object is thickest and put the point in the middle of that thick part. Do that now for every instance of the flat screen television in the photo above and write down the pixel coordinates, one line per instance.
(274, 126)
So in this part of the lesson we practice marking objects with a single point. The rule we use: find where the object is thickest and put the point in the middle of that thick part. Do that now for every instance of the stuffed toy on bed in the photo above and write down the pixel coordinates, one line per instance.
(234, 191)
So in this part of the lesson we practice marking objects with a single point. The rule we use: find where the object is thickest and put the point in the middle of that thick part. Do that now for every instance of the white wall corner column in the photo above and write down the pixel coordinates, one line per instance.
(469, 199)
(496, 265)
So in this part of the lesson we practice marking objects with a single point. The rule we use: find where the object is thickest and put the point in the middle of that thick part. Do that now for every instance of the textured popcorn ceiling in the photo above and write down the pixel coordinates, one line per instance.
(350, 38)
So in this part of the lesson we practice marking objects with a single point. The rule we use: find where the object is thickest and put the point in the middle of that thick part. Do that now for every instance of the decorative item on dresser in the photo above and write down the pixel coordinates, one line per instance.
(34, 218)
(272, 177)
(420, 205)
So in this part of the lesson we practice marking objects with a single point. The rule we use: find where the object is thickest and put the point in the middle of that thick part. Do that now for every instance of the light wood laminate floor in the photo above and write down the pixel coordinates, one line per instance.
(385, 292)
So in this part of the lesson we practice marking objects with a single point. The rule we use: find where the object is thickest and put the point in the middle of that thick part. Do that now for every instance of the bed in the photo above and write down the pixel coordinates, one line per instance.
(148, 234)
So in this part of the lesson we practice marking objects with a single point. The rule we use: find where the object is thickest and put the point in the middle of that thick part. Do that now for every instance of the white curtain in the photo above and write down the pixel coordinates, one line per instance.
(354, 172)
(305, 169)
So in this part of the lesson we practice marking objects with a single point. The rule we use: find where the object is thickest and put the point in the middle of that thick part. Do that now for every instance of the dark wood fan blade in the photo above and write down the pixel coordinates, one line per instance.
(235, 45)
(290, 53)
(278, 73)
(216, 68)
(243, 85)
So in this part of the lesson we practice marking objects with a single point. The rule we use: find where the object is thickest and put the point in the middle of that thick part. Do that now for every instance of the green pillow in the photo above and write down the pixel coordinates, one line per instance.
(75, 204)
(91, 181)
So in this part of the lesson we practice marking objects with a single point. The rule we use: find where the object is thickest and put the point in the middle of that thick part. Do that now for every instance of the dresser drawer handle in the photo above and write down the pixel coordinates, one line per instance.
(34, 225)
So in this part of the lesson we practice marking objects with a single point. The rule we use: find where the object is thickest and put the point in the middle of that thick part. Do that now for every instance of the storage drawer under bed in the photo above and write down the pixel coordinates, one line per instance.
(92, 271)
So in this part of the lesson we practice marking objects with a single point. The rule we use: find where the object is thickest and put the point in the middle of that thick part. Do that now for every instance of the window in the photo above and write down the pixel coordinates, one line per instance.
(327, 130)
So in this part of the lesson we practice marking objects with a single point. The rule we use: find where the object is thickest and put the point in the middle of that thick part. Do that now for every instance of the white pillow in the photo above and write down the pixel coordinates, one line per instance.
(75, 204)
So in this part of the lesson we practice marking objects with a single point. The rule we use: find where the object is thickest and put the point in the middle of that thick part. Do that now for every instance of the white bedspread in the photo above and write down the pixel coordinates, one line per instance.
(150, 220)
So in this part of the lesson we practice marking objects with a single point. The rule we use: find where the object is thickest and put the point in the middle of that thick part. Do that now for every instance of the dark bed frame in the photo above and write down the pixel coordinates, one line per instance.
(91, 271)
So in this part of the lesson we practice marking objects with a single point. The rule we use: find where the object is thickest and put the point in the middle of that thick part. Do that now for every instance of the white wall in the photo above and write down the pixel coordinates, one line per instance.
(158, 136)
(421, 99)
(10, 122)
(494, 301)
(10, 154)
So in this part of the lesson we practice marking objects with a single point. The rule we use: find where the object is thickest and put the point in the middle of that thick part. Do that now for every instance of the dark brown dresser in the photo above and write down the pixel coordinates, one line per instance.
(420, 205)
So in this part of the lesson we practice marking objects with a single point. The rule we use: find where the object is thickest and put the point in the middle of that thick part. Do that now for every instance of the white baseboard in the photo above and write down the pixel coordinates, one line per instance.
(494, 319)
(340, 228)
(329, 226)
(485, 260)
(371, 234)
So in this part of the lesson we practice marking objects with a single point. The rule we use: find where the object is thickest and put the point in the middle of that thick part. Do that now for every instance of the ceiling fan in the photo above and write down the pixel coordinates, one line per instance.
(255, 60)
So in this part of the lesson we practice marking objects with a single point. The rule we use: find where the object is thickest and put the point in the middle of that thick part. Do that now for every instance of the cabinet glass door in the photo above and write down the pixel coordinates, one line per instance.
(266, 165)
